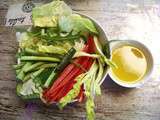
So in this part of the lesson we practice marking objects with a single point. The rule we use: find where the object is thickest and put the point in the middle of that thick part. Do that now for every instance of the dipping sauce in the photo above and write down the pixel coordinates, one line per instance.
(131, 64)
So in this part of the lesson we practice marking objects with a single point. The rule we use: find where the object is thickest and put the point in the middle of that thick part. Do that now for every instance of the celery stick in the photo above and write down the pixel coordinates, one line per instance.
(21, 74)
(18, 66)
(32, 67)
(49, 65)
(37, 58)
(50, 79)
(35, 74)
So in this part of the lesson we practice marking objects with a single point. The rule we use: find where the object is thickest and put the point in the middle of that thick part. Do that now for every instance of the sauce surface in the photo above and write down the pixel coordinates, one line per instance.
(131, 63)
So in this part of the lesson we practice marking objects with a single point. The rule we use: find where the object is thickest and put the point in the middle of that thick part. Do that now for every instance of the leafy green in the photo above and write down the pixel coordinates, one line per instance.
(76, 24)
(28, 90)
(89, 25)
(65, 24)
(28, 41)
(47, 15)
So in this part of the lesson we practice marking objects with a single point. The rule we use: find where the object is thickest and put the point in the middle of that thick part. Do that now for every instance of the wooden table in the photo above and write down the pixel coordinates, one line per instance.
(121, 19)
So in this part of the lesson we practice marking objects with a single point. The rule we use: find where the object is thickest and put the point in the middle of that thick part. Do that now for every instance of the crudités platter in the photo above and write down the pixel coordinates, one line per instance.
(65, 56)
(61, 57)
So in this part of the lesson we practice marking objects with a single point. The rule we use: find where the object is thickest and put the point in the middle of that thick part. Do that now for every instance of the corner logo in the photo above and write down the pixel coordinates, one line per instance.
(28, 6)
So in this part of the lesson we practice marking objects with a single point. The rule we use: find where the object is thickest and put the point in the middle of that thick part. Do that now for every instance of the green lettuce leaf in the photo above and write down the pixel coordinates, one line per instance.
(47, 15)
(65, 24)
(76, 24)
(28, 90)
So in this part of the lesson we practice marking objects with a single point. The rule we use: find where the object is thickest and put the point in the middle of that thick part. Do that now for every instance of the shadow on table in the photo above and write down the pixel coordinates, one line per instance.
(109, 84)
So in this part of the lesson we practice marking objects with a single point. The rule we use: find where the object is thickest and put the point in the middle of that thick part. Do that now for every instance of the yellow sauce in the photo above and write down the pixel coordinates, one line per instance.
(131, 63)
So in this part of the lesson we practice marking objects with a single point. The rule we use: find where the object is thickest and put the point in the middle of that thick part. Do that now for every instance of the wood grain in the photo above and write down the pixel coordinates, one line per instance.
(116, 103)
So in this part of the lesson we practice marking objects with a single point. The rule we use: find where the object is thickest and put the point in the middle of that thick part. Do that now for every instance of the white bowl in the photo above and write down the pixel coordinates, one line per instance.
(149, 58)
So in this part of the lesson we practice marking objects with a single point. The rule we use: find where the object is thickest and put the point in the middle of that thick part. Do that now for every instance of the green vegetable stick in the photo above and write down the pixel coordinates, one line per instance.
(32, 52)
(28, 76)
(21, 73)
(35, 74)
(73, 93)
(18, 66)
(37, 58)
(50, 79)
(17, 71)
(64, 62)
(49, 65)
(30, 97)
(32, 67)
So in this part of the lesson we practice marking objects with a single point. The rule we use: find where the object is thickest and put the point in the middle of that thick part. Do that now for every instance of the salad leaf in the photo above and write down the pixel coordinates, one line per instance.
(28, 90)
(89, 25)
(47, 15)
(77, 24)
(28, 41)
(65, 24)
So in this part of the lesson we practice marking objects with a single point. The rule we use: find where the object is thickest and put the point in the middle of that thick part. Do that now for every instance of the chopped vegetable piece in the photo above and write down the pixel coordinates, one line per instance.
(65, 61)
(52, 49)
(35, 74)
(37, 58)
(21, 74)
(49, 65)
(81, 53)
(46, 15)
(41, 78)
(18, 66)
(50, 79)
(27, 90)
(106, 50)
(32, 67)
(73, 93)
(99, 50)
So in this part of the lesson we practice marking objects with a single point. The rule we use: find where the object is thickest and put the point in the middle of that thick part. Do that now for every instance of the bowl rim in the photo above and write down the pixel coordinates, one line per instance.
(146, 77)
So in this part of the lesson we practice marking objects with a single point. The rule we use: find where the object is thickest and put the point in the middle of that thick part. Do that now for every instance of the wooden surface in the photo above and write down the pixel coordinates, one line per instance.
(119, 19)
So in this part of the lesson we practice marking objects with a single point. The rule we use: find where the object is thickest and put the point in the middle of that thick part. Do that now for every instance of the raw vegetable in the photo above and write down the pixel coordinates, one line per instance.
(52, 49)
(73, 93)
(99, 51)
(27, 90)
(31, 68)
(60, 59)
(21, 74)
(47, 15)
(64, 62)
(37, 58)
